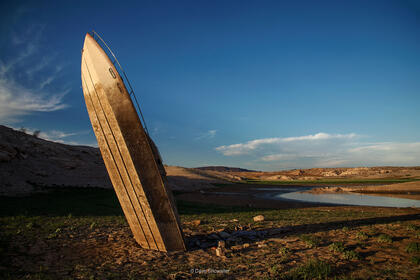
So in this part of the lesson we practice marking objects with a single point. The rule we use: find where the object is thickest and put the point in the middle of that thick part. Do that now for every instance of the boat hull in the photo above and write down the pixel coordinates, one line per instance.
(130, 156)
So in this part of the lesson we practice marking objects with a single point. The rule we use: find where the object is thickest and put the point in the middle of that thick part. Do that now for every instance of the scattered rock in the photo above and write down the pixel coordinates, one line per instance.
(111, 237)
(258, 218)
(187, 231)
(236, 247)
(220, 252)
(241, 227)
(196, 222)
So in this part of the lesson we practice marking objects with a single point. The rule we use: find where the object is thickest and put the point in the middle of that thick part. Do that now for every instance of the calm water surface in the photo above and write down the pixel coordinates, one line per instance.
(350, 199)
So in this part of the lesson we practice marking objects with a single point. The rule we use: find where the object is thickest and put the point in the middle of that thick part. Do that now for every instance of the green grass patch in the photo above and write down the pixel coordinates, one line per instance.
(384, 238)
(413, 247)
(351, 255)
(345, 229)
(311, 241)
(412, 227)
(362, 235)
(415, 260)
(337, 247)
(314, 269)
(284, 254)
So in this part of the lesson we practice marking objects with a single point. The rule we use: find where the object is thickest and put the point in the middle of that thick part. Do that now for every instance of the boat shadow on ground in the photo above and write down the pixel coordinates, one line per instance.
(250, 236)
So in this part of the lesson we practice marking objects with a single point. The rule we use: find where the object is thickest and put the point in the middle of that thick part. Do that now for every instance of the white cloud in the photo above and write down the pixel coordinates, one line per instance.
(247, 147)
(319, 136)
(292, 156)
(207, 135)
(17, 101)
(58, 136)
(54, 135)
(394, 153)
(323, 150)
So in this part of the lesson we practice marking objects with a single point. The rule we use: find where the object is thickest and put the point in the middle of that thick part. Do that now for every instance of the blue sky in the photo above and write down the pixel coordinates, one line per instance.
(263, 85)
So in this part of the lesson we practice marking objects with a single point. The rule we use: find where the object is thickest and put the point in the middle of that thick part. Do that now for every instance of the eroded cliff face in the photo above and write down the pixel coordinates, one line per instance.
(28, 163)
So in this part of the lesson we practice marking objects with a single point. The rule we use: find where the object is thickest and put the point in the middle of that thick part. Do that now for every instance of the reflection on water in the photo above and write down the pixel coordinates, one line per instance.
(283, 189)
(351, 199)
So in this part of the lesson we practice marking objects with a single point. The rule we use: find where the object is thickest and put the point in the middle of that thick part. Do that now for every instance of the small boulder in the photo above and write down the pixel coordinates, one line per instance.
(221, 248)
(196, 222)
(219, 252)
(259, 218)
(236, 247)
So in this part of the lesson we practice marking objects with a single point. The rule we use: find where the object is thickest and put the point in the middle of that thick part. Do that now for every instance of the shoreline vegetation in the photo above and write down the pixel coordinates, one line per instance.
(343, 181)
(408, 187)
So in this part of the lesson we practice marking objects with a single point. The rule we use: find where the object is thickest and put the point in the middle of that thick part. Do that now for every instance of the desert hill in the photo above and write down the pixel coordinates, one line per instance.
(28, 163)
(224, 169)
(380, 172)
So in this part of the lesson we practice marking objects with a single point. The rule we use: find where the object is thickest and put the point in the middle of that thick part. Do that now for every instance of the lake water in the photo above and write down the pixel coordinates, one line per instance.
(350, 199)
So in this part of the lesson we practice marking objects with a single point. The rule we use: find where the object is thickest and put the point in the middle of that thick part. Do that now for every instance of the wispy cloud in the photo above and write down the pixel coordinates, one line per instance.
(55, 135)
(19, 94)
(46, 81)
(29, 50)
(17, 101)
(323, 150)
(36, 68)
(207, 135)
(59, 136)
(247, 147)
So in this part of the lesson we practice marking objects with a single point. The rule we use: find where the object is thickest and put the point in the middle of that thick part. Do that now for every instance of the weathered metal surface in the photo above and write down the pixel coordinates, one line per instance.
(131, 158)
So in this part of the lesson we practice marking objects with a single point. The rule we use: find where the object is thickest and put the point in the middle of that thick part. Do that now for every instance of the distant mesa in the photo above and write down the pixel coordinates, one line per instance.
(224, 169)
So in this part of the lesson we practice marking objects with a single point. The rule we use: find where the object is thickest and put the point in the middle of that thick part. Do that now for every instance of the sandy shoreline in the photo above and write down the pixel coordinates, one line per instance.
(248, 196)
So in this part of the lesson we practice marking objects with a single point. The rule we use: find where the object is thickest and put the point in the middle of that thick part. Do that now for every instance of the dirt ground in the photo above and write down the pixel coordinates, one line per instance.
(294, 241)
